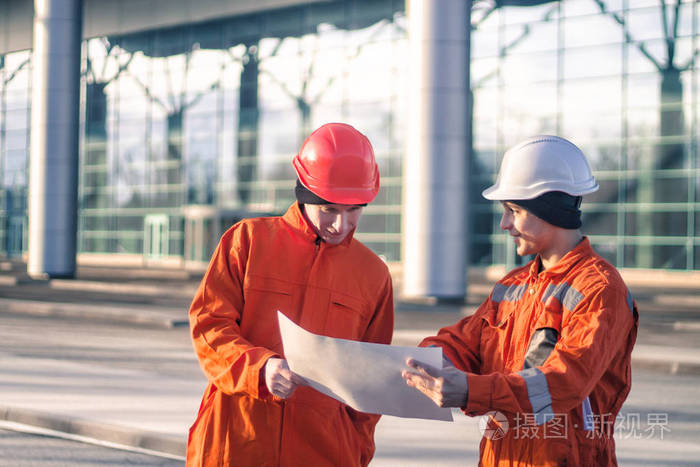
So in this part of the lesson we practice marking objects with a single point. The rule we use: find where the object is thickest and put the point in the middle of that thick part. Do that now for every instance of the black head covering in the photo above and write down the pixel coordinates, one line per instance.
(306, 196)
(556, 207)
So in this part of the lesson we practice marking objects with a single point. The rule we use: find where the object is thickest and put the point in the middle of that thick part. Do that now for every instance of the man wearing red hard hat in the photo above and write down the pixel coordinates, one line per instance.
(306, 264)
(547, 356)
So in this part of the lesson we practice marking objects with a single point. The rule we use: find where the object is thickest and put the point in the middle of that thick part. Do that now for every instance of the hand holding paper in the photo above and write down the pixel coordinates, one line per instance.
(447, 387)
(364, 375)
(279, 379)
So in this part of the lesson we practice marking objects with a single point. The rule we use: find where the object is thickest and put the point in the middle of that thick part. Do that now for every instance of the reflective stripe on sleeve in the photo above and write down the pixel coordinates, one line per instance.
(568, 296)
(588, 424)
(538, 393)
(509, 293)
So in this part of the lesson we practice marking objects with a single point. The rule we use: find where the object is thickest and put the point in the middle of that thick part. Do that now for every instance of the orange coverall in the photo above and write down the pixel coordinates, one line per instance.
(260, 266)
(551, 352)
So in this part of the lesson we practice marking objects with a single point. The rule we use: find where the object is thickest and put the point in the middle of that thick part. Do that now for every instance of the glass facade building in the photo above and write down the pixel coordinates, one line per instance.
(15, 94)
(186, 129)
(620, 78)
(211, 115)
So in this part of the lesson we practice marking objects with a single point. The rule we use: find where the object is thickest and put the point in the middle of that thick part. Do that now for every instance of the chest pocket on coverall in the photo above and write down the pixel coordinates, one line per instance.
(263, 296)
(496, 339)
(347, 317)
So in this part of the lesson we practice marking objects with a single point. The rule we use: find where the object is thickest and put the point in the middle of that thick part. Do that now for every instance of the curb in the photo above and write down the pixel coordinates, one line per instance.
(126, 288)
(671, 360)
(671, 368)
(131, 437)
(145, 315)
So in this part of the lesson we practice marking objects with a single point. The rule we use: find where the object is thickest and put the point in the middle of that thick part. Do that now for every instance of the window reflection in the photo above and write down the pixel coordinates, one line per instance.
(15, 91)
(625, 97)
(212, 114)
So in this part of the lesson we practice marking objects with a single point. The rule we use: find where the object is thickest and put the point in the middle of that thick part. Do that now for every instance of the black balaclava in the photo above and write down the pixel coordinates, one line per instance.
(306, 196)
(555, 207)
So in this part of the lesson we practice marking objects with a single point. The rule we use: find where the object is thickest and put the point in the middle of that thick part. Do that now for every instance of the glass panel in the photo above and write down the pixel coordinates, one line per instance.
(364, 12)
(593, 61)
(577, 31)
(379, 223)
(481, 253)
(519, 15)
(607, 193)
(484, 72)
(669, 223)
(518, 69)
(534, 37)
(606, 249)
(17, 119)
(643, 90)
(599, 223)
(685, 21)
(484, 43)
(646, 23)
(594, 126)
(388, 195)
(600, 157)
(282, 23)
(630, 252)
(645, 57)
(669, 257)
(591, 94)
(586, 7)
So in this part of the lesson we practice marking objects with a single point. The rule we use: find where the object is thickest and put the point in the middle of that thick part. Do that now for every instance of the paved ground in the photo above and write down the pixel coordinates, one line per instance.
(21, 449)
(108, 356)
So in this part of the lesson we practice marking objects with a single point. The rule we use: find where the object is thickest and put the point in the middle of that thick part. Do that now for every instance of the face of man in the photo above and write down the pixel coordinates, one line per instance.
(333, 222)
(531, 234)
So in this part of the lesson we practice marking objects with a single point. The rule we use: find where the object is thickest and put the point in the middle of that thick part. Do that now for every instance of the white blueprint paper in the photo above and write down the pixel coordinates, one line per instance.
(363, 375)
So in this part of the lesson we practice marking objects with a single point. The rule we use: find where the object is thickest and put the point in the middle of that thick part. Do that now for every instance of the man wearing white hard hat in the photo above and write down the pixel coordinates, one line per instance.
(546, 357)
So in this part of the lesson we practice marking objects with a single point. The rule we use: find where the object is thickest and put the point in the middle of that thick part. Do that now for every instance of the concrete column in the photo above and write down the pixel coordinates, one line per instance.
(435, 235)
(53, 165)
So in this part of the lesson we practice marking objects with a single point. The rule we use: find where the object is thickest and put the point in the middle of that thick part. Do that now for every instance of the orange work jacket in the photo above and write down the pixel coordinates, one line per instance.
(547, 357)
(260, 266)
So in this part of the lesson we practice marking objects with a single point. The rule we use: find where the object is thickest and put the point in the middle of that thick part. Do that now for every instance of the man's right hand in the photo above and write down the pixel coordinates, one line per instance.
(280, 380)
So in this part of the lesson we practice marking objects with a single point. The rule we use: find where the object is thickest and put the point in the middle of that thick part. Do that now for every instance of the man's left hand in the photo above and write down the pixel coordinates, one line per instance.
(447, 387)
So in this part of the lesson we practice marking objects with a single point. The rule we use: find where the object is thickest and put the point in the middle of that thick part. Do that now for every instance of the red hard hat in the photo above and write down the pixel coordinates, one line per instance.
(336, 163)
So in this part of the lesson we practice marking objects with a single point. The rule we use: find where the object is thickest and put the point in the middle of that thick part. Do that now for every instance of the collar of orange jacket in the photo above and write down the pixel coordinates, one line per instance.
(297, 220)
(582, 250)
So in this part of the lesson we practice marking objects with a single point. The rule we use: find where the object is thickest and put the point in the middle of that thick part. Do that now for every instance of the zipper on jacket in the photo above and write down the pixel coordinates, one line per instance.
(285, 406)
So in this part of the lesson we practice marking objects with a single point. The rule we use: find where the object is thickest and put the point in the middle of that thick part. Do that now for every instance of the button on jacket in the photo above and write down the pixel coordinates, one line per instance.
(550, 351)
(260, 266)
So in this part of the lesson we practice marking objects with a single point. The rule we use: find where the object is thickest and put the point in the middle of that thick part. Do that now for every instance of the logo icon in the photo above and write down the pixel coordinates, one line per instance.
(493, 425)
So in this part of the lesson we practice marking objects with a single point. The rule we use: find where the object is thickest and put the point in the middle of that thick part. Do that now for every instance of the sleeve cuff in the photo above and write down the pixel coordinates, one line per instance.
(258, 387)
(478, 394)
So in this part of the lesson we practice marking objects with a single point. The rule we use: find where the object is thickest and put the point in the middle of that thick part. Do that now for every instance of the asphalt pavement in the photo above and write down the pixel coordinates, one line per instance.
(107, 357)
(26, 446)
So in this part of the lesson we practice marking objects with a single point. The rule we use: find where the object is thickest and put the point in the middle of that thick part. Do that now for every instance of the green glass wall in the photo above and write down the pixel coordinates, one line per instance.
(15, 92)
(213, 113)
(619, 78)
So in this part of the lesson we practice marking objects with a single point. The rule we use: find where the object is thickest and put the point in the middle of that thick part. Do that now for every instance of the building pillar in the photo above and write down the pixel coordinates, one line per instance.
(435, 234)
(53, 164)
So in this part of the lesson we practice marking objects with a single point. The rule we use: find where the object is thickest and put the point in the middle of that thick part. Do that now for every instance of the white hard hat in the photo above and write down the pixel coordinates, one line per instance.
(541, 164)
